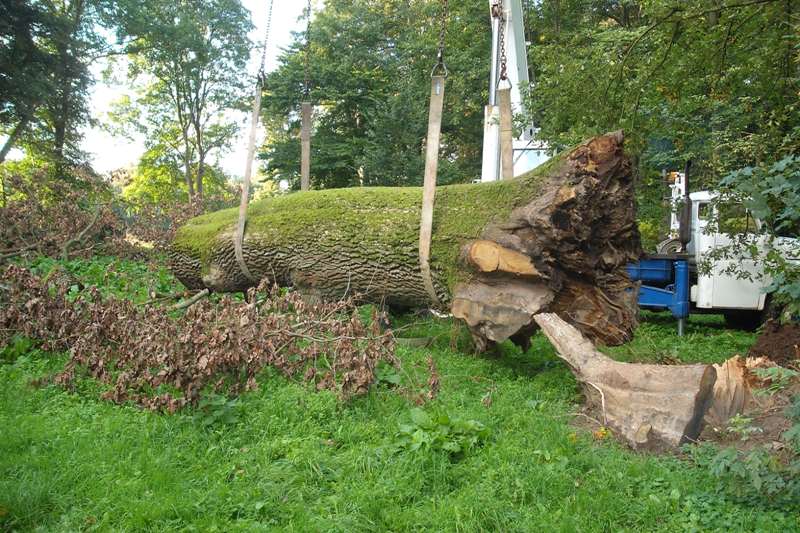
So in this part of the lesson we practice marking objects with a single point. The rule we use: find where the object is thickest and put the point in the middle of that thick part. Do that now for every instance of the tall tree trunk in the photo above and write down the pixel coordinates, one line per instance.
(19, 129)
(201, 171)
(199, 144)
(60, 125)
(70, 71)
(555, 239)
(187, 167)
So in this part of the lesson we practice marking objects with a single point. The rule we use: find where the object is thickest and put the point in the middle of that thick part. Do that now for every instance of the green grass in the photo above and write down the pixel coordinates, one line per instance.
(706, 340)
(296, 460)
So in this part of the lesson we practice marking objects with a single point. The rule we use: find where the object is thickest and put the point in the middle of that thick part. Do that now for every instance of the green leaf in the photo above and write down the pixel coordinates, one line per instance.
(421, 418)
(451, 446)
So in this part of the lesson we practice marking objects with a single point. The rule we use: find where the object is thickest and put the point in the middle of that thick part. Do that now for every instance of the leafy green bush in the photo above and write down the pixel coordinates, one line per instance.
(771, 193)
(758, 476)
(792, 435)
(113, 277)
(440, 432)
(17, 346)
(777, 377)
(216, 409)
(742, 427)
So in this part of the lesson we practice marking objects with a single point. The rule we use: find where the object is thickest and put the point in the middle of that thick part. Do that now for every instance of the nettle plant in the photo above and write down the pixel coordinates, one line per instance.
(759, 210)
(440, 432)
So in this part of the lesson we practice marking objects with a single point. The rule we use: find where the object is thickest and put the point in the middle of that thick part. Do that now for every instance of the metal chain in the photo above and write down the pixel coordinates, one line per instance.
(497, 12)
(306, 66)
(261, 74)
(440, 64)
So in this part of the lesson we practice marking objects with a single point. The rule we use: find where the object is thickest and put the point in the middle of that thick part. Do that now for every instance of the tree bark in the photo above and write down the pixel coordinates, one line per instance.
(62, 117)
(201, 171)
(16, 133)
(556, 239)
(187, 170)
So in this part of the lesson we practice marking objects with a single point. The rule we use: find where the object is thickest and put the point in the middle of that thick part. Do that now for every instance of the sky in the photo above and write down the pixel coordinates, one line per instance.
(109, 153)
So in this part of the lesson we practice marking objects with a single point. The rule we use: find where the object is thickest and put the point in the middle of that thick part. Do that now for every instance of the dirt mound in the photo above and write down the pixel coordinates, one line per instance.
(778, 342)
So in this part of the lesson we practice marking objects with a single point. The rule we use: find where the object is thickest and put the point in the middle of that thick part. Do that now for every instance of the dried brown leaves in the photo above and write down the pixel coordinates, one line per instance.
(157, 224)
(78, 218)
(146, 356)
(56, 218)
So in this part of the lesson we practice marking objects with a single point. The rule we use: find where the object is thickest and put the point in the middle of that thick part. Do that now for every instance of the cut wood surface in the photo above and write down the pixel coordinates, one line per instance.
(555, 239)
(489, 257)
(652, 407)
(732, 392)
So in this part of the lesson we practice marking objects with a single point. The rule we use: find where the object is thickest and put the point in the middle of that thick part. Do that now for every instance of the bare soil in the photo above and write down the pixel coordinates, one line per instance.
(768, 417)
(779, 343)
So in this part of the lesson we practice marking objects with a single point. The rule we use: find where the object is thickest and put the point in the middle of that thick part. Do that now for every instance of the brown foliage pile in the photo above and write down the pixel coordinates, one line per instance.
(157, 225)
(56, 218)
(83, 216)
(148, 357)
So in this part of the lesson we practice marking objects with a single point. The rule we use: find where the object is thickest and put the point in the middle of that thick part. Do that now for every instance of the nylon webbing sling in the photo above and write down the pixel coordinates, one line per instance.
(251, 151)
(438, 77)
(429, 185)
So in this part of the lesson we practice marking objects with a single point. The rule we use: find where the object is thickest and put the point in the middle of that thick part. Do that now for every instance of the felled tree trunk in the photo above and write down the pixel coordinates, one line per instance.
(652, 407)
(556, 239)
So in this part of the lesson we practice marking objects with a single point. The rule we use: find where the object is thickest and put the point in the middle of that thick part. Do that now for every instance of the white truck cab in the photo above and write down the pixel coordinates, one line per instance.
(734, 286)
(721, 288)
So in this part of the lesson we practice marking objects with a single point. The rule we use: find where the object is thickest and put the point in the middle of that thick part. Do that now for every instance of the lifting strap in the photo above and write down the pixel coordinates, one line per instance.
(248, 170)
(251, 150)
(438, 77)
(429, 185)
(305, 111)
(504, 102)
(506, 133)
(305, 146)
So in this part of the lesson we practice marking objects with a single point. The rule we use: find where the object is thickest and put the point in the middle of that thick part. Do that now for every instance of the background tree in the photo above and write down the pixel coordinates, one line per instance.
(158, 181)
(370, 66)
(190, 71)
(46, 53)
(715, 81)
(24, 67)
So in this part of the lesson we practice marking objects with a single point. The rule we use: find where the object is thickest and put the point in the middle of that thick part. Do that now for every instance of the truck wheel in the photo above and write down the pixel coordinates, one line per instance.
(772, 310)
(669, 247)
(745, 320)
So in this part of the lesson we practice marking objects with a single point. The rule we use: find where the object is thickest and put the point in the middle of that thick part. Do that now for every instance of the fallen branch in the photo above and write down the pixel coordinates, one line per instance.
(13, 253)
(81, 235)
(160, 297)
(190, 302)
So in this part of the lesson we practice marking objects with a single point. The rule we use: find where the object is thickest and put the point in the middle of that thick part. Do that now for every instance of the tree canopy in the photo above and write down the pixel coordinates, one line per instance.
(46, 49)
(188, 70)
(714, 81)
(370, 65)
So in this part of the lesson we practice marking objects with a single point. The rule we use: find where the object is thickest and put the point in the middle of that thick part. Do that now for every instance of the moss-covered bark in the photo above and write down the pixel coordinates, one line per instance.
(369, 233)
(364, 240)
